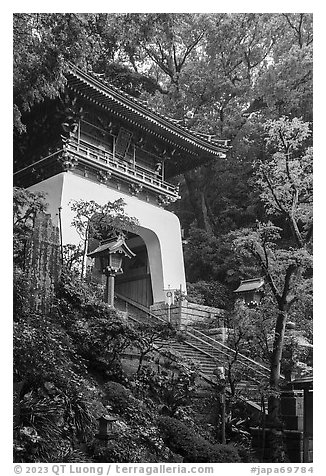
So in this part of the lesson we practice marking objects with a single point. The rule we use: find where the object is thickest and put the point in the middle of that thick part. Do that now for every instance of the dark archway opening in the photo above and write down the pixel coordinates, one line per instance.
(135, 282)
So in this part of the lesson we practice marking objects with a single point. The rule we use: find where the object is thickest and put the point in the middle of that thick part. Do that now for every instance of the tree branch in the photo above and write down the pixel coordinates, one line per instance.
(189, 49)
(270, 186)
(267, 273)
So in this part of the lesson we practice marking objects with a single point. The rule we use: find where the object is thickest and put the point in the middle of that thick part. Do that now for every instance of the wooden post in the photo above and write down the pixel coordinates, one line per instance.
(223, 438)
(60, 234)
(134, 157)
(78, 134)
(83, 266)
(109, 290)
(169, 313)
(180, 308)
(111, 287)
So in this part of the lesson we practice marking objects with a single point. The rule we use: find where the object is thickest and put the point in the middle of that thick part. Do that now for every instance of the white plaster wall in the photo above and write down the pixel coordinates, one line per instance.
(159, 228)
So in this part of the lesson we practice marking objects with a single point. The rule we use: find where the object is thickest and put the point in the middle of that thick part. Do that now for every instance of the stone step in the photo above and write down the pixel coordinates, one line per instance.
(205, 356)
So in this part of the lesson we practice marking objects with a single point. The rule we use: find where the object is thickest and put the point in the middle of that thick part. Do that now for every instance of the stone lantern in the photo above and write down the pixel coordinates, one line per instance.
(105, 427)
(251, 291)
(111, 252)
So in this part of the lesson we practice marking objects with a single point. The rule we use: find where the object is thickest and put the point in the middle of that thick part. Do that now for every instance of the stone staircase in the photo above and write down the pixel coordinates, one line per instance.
(206, 352)
(207, 358)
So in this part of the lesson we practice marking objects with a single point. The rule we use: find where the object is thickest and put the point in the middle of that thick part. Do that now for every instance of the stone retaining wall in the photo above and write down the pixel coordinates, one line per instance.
(186, 313)
(43, 262)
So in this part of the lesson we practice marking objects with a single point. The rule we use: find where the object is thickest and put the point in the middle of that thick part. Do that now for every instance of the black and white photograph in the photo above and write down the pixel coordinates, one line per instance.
(162, 242)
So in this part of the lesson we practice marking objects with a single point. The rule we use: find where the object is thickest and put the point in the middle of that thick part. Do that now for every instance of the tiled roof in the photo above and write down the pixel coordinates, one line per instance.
(250, 285)
(137, 112)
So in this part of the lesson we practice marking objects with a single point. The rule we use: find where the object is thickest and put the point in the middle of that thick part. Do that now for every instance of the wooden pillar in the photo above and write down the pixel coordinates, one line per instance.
(134, 157)
(109, 290)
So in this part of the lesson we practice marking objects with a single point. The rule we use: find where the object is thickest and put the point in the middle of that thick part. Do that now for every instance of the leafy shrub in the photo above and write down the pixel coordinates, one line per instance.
(172, 385)
(130, 447)
(194, 449)
(119, 396)
(52, 352)
(119, 450)
(72, 292)
(53, 423)
(99, 334)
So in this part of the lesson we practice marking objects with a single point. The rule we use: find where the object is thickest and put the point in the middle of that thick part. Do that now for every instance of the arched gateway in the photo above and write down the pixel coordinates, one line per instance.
(98, 143)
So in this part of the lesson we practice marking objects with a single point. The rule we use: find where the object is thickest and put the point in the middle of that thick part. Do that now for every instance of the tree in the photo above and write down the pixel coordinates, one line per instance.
(286, 180)
(248, 334)
(149, 338)
(44, 43)
(94, 221)
(221, 75)
(283, 253)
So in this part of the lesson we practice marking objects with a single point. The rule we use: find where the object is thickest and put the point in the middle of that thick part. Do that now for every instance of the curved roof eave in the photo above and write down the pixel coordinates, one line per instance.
(125, 105)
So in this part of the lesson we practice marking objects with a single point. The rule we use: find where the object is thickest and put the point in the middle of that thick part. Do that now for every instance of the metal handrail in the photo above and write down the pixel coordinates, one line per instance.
(206, 377)
(227, 353)
(140, 307)
(253, 362)
(215, 343)
(201, 337)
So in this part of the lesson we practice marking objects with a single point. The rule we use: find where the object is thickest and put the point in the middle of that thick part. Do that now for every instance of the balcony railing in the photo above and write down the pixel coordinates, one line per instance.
(121, 167)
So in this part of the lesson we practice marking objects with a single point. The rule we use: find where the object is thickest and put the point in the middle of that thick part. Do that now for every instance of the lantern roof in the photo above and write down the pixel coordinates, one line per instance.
(107, 418)
(110, 246)
(250, 285)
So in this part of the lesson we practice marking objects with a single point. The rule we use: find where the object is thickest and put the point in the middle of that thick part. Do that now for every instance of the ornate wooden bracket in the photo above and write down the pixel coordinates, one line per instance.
(68, 161)
(135, 188)
(164, 200)
(103, 177)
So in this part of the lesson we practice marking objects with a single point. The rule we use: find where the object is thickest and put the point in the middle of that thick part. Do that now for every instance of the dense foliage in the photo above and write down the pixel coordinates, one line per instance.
(244, 77)
(195, 449)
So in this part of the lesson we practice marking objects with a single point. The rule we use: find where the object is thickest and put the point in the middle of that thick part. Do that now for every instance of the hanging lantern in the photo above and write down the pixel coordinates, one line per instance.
(111, 252)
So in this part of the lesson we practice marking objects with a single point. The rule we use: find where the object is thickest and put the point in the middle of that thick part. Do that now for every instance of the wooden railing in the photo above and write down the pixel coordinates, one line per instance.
(121, 167)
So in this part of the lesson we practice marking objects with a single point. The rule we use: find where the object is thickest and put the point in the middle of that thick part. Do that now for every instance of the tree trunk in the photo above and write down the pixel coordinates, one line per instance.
(140, 362)
(277, 348)
(274, 417)
(83, 266)
(198, 201)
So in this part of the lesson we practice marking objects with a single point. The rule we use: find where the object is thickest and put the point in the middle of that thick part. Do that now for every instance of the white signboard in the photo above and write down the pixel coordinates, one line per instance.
(169, 296)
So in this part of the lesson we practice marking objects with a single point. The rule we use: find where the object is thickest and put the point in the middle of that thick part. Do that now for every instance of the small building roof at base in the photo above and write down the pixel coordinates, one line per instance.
(250, 285)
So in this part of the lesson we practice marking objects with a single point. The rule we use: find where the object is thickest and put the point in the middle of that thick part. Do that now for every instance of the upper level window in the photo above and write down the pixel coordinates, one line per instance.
(96, 136)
